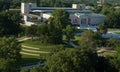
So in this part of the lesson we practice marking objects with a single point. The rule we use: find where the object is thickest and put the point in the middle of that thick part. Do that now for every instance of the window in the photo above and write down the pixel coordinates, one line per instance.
(83, 21)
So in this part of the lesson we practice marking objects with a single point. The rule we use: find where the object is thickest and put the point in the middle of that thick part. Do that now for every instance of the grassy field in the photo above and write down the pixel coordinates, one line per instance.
(26, 60)
(37, 48)
(117, 32)
(113, 28)
(110, 54)
(38, 44)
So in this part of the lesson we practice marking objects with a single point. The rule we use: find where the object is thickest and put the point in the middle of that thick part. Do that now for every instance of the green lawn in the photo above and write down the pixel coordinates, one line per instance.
(117, 32)
(110, 54)
(38, 44)
(112, 29)
(77, 37)
(26, 60)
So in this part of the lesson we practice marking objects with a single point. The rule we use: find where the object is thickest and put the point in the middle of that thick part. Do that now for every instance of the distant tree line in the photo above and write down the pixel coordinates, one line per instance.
(112, 16)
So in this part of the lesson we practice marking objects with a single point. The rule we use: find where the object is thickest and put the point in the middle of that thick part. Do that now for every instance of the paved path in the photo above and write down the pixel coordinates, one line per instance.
(29, 47)
(31, 66)
(113, 31)
(111, 35)
(102, 50)
(24, 39)
(29, 54)
(70, 43)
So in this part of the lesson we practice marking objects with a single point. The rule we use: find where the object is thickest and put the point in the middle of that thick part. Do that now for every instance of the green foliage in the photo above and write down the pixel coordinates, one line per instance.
(106, 9)
(10, 49)
(37, 69)
(106, 64)
(117, 62)
(60, 18)
(69, 32)
(90, 39)
(24, 71)
(4, 5)
(28, 1)
(9, 25)
(113, 19)
(102, 29)
(97, 9)
(112, 43)
(52, 32)
(7, 65)
(31, 31)
(49, 33)
(72, 61)
(9, 54)
(57, 48)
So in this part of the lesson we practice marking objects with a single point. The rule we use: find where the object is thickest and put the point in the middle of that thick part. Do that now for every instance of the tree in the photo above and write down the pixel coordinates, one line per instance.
(24, 71)
(113, 19)
(60, 18)
(106, 9)
(117, 60)
(8, 25)
(7, 65)
(31, 31)
(57, 48)
(4, 5)
(112, 43)
(37, 69)
(106, 64)
(69, 32)
(102, 29)
(9, 54)
(90, 39)
(81, 60)
(10, 49)
(49, 33)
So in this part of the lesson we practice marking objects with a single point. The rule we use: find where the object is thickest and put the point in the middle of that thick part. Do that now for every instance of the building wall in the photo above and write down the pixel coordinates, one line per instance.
(80, 19)
(26, 7)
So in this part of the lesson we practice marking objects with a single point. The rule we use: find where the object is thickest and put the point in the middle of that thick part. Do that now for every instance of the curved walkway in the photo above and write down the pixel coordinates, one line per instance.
(29, 47)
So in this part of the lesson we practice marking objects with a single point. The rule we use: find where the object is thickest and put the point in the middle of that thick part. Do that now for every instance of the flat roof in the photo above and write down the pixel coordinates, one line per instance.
(52, 8)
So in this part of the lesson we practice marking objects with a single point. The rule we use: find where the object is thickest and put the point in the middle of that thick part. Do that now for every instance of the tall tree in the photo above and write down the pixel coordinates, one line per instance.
(60, 18)
(90, 39)
(31, 31)
(113, 19)
(9, 54)
(69, 32)
(9, 25)
(102, 29)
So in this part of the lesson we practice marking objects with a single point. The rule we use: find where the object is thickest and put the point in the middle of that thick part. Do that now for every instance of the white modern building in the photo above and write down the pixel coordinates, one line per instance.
(78, 15)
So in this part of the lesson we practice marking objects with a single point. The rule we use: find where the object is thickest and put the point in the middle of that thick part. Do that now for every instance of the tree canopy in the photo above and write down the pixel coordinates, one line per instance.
(72, 61)
(60, 18)
(9, 54)
(9, 24)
